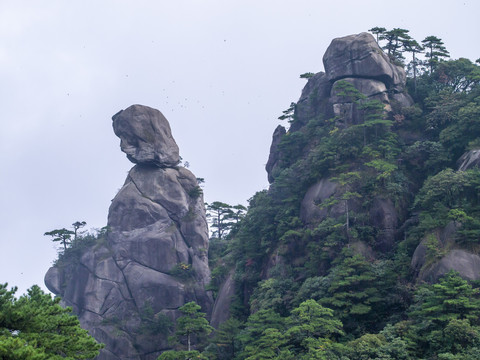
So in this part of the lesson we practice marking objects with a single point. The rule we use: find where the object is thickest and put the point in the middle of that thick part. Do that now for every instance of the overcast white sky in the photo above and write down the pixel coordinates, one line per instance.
(221, 71)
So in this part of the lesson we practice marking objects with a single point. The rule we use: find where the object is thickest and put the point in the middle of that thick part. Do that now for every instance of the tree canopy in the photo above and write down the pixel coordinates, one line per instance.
(35, 326)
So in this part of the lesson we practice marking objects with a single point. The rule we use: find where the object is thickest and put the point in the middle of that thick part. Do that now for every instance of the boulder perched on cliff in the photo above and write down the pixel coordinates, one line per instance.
(359, 61)
(359, 56)
(154, 259)
(357, 71)
(145, 136)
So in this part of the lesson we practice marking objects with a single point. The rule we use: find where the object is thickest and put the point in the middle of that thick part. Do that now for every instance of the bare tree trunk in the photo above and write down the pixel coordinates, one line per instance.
(348, 218)
(414, 73)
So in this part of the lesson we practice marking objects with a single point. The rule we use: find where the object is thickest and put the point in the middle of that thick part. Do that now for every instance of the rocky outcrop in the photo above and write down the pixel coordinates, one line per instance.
(438, 253)
(313, 101)
(145, 136)
(345, 110)
(358, 60)
(274, 157)
(154, 258)
(461, 261)
(359, 56)
(469, 160)
(450, 255)
(221, 309)
(442, 239)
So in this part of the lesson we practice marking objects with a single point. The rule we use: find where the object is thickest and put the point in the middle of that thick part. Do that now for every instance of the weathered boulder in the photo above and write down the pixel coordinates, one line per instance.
(419, 257)
(145, 136)
(368, 87)
(469, 160)
(151, 288)
(360, 56)
(429, 268)
(462, 261)
(402, 99)
(54, 280)
(154, 257)
(358, 60)
(444, 237)
(383, 215)
(361, 248)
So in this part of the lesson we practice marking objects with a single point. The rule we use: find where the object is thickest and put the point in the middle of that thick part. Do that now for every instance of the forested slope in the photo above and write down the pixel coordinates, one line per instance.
(365, 245)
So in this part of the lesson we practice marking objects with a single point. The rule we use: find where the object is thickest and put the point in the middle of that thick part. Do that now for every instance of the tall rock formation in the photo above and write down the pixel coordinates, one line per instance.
(356, 59)
(154, 259)
(359, 61)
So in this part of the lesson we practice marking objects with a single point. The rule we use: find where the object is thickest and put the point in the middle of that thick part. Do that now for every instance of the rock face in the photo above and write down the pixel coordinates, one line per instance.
(311, 211)
(221, 310)
(313, 101)
(145, 136)
(469, 160)
(359, 56)
(384, 218)
(274, 152)
(154, 259)
(466, 263)
(461, 261)
(359, 61)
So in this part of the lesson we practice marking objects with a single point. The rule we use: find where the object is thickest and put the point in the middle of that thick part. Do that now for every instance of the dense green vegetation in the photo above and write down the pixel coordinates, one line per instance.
(36, 327)
(192, 324)
(340, 287)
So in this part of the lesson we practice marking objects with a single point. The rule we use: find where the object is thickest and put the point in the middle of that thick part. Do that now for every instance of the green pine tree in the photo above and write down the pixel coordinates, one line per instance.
(36, 327)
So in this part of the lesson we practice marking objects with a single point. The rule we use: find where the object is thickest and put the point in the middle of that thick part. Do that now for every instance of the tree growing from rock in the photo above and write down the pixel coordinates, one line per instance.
(290, 112)
(77, 225)
(346, 181)
(377, 31)
(63, 236)
(395, 39)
